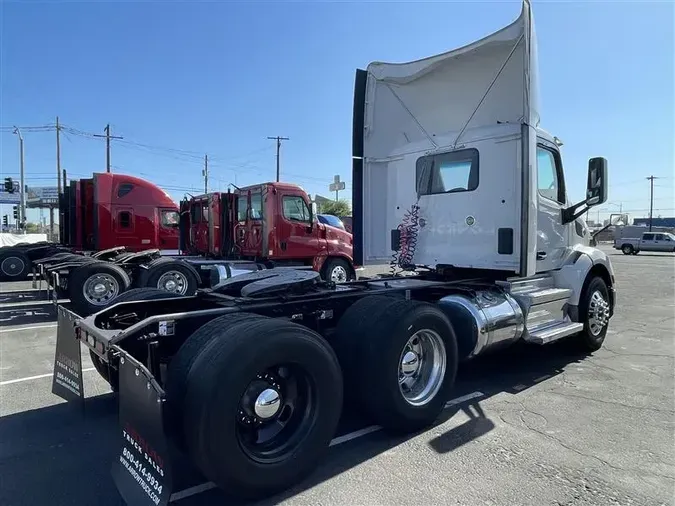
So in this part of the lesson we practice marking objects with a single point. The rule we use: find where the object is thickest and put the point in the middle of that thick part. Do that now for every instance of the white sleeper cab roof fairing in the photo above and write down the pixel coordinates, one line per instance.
(454, 134)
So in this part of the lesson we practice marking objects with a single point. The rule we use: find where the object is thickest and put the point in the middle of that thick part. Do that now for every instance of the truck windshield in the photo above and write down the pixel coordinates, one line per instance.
(169, 218)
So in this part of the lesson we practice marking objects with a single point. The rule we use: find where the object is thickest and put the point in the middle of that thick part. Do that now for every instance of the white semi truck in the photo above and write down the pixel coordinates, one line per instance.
(452, 178)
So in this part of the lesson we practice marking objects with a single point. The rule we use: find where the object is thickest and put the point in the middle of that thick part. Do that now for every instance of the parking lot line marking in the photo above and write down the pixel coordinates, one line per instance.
(50, 326)
(463, 398)
(39, 376)
(353, 435)
(198, 489)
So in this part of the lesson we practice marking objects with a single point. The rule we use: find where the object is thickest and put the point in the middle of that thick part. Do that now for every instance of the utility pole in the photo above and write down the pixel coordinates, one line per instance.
(278, 139)
(651, 199)
(22, 190)
(205, 173)
(58, 179)
(107, 144)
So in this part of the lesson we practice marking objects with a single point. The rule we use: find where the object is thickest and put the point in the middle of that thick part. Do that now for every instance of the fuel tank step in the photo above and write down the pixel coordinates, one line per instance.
(552, 333)
(537, 297)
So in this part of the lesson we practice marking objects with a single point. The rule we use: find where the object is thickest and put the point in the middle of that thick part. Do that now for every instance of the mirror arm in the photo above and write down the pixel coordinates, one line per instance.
(570, 214)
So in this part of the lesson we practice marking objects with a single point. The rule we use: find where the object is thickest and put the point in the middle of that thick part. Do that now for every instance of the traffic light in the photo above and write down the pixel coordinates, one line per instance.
(9, 185)
(5, 221)
(16, 212)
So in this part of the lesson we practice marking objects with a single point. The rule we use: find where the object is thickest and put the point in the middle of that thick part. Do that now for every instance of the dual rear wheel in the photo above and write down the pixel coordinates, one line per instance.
(255, 401)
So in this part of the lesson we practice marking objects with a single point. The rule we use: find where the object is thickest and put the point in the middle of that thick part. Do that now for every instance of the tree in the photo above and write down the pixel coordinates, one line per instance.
(338, 208)
(32, 228)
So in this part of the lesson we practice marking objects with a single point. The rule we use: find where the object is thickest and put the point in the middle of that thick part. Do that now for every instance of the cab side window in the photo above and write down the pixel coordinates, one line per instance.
(549, 182)
(295, 209)
(647, 237)
(124, 218)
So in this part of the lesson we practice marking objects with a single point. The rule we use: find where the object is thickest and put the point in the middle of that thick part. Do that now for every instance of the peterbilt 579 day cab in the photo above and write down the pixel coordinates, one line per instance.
(246, 380)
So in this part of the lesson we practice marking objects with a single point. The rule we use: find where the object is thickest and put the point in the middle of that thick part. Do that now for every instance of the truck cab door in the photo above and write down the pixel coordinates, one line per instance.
(297, 237)
(662, 243)
(199, 226)
(169, 229)
(552, 236)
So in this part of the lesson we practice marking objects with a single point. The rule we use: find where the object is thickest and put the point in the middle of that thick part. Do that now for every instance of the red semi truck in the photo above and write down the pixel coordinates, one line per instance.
(101, 217)
(269, 222)
(117, 210)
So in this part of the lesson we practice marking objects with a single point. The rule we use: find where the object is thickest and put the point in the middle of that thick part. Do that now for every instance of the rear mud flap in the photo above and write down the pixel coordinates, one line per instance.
(142, 468)
(67, 378)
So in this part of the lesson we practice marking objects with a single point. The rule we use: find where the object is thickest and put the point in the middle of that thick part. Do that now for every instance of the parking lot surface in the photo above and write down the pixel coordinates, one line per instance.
(530, 426)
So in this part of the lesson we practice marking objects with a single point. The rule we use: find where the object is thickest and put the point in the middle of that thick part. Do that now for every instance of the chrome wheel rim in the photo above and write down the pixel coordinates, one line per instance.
(276, 412)
(100, 289)
(422, 366)
(598, 313)
(338, 274)
(12, 266)
(174, 282)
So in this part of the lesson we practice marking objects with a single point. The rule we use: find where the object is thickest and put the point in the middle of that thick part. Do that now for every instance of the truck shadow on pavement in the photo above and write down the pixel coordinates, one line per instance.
(62, 455)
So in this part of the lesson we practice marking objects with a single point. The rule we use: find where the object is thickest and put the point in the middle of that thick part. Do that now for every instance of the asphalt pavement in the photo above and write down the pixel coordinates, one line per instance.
(529, 426)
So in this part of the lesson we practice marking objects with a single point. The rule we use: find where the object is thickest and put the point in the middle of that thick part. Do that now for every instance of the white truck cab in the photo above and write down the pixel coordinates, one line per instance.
(453, 172)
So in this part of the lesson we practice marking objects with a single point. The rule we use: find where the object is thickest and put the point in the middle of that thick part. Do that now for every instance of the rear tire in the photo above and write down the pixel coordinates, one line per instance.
(389, 349)
(171, 275)
(95, 285)
(14, 265)
(181, 365)
(627, 249)
(253, 362)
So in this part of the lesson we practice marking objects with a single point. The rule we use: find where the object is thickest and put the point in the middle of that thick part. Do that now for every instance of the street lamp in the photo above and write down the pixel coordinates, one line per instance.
(22, 188)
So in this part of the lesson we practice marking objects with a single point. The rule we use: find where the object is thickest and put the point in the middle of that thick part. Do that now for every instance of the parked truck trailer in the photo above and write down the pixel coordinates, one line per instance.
(453, 176)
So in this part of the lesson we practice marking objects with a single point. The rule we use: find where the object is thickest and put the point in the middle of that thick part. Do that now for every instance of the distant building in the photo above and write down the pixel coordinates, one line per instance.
(656, 222)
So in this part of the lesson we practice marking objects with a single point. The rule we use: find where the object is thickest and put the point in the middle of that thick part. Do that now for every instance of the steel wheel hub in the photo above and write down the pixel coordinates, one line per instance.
(267, 404)
(11, 266)
(422, 367)
(598, 313)
(275, 413)
(338, 274)
(100, 288)
(173, 281)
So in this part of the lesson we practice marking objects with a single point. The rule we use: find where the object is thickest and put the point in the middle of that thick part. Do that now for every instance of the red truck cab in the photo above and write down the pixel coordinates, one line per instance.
(110, 210)
(266, 222)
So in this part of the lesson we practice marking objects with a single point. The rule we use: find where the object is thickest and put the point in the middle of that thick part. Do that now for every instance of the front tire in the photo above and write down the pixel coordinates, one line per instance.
(283, 386)
(400, 358)
(594, 312)
(338, 270)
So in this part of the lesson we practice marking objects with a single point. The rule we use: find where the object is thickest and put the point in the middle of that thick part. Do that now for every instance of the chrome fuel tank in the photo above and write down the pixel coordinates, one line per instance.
(483, 321)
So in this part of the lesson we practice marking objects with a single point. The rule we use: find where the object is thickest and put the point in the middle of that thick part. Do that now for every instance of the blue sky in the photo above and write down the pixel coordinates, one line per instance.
(219, 77)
